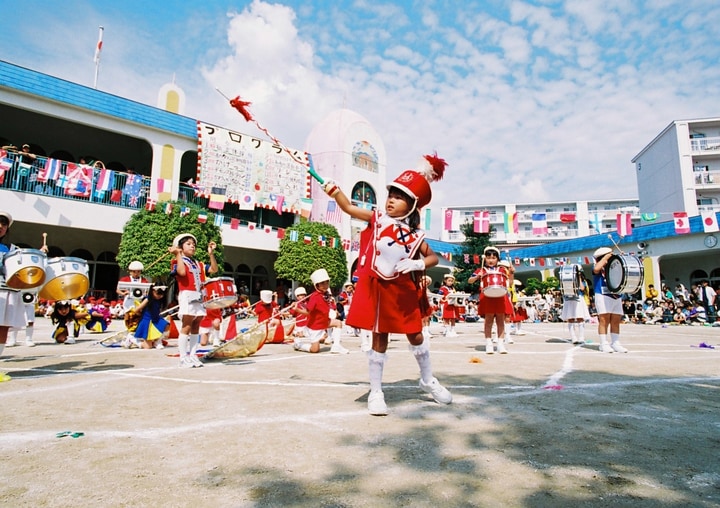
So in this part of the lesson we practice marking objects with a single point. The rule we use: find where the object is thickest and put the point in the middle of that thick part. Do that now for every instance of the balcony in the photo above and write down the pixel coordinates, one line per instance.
(705, 145)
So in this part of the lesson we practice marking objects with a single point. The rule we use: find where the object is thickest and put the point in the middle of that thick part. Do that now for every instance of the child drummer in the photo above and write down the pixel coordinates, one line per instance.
(450, 312)
(190, 275)
(493, 309)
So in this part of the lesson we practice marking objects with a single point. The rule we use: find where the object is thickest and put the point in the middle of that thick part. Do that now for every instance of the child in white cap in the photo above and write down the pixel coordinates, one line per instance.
(190, 275)
(322, 319)
(608, 305)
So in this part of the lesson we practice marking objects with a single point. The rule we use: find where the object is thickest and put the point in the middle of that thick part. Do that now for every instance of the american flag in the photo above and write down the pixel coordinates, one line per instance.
(334, 213)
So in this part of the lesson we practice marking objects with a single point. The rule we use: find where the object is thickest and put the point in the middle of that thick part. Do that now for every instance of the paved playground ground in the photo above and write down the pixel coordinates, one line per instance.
(549, 424)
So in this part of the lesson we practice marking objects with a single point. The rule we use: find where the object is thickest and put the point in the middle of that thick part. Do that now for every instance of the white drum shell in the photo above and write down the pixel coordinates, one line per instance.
(624, 274)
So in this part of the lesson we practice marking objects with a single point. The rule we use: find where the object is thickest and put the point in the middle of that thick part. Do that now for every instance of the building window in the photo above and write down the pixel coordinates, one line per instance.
(363, 196)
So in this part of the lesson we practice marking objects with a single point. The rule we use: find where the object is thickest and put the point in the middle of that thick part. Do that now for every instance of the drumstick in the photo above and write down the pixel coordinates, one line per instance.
(44, 239)
(157, 260)
(615, 244)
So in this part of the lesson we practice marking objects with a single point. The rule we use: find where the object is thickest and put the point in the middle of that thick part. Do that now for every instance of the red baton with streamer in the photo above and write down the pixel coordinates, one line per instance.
(242, 107)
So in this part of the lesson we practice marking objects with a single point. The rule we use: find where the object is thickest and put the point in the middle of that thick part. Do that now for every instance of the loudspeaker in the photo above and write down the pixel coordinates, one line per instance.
(642, 245)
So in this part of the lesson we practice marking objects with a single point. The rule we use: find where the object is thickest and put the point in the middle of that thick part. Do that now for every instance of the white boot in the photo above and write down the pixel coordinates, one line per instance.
(337, 348)
(489, 346)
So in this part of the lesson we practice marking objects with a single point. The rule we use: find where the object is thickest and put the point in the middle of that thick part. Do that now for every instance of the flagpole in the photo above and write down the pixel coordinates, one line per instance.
(97, 55)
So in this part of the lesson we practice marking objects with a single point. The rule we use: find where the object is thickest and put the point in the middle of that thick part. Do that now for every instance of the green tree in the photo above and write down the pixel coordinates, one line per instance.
(550, 284)
(474, 244)
(297, 259)
(148, 234)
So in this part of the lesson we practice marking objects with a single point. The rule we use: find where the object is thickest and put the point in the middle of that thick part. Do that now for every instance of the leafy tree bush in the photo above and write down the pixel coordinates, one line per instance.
(148, 234)
(297, 259)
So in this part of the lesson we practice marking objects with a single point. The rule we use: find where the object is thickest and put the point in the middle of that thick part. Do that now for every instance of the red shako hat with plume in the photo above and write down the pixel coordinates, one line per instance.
(416, 182)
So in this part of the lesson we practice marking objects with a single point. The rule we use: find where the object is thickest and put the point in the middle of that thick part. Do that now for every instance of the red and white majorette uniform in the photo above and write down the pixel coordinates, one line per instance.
(449, 311)
(385, 300)
(498, 304)
(190, 286)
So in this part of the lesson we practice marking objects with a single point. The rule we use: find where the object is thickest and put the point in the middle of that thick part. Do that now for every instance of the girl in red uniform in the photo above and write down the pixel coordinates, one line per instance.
(493, 309)
(190, 276)
(393, 254)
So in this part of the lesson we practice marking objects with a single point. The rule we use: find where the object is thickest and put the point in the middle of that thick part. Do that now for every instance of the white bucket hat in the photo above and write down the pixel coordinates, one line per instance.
(601, 252)
(136, 265)
(266, 296)
(319, 276)
(300, 292)
(176, 240)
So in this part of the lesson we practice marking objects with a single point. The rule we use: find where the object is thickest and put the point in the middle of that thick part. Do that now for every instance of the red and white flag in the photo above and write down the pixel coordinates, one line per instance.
(481, 222)
(710, 223)
(98, 48)
(624, 224)
(682, 223)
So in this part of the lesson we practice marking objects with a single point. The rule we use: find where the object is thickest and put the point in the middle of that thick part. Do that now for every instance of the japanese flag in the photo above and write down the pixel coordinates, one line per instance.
(710, 223)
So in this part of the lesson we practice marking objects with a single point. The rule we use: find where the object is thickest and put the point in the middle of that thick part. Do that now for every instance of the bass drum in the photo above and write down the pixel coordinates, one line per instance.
(624, 274)
(571, 280)
(67, 278)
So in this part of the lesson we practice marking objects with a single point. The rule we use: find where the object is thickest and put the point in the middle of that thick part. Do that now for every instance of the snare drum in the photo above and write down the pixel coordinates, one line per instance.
(25, 268)
(571, 280)
(494, 284)
(624, 274)
(135, 289)
(67, 278)
(219, 293)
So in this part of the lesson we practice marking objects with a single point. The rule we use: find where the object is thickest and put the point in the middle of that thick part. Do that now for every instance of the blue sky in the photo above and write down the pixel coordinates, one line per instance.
(527, 100)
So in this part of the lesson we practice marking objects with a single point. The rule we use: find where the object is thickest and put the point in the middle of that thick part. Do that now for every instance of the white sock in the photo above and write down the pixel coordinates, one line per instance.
(193, 341)
(571, 327)
(29, 333)
(2, 348)
(304, 346)
(614, 337)
(581, 330)
(376, 363)
(422, 356)
(183, 340)
(603, 339)
(335, 334)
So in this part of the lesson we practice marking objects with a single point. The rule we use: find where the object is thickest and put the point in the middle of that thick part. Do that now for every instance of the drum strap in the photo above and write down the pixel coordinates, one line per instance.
(195, 271)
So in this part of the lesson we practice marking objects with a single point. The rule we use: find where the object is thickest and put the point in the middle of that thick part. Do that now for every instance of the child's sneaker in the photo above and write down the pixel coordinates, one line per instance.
(29, 343)
(438, 391)
(489, 347)
(339, 349)
(186, 363)
(376, 404)
(605, 348)
(70, 340)
(618, 348)
(196, 362)
(501, 348)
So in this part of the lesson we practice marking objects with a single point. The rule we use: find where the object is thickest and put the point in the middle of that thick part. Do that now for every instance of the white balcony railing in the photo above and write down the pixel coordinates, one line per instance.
(702, 145)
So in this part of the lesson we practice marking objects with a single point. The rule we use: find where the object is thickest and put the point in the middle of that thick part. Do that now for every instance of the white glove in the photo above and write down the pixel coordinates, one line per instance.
(410, 265)
(331, 188)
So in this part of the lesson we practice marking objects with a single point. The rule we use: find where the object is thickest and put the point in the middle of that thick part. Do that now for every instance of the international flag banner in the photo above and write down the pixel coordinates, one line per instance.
(98, 47)
(294, 235)
(624, 224)
(217, 198)
(279, 200)
(307, 239)
(267, 229)
(116, 196)
(106, 180)
(322, 242)
(51, 171)
(202, 217)
(682, 223)
(476, 259)
(251, 226)
(481, 221)
(709, 221)
(333, 242)
(306, 207)
(532, 261)
(567, 217)
(219, 219)
(168, 208)
(281, 233)
(247, 201)
(150, 205)
(185, 210)
(466, 258)
(541, 261)
(511, 223)
(587, 260)
(132, 185)
(5, 165)
(650, 217)
(428, 215)
(539, 224)
(234, 223)
(163, 185)
(354, 246)
(333, 215)
(517, 261)
(79, 181)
